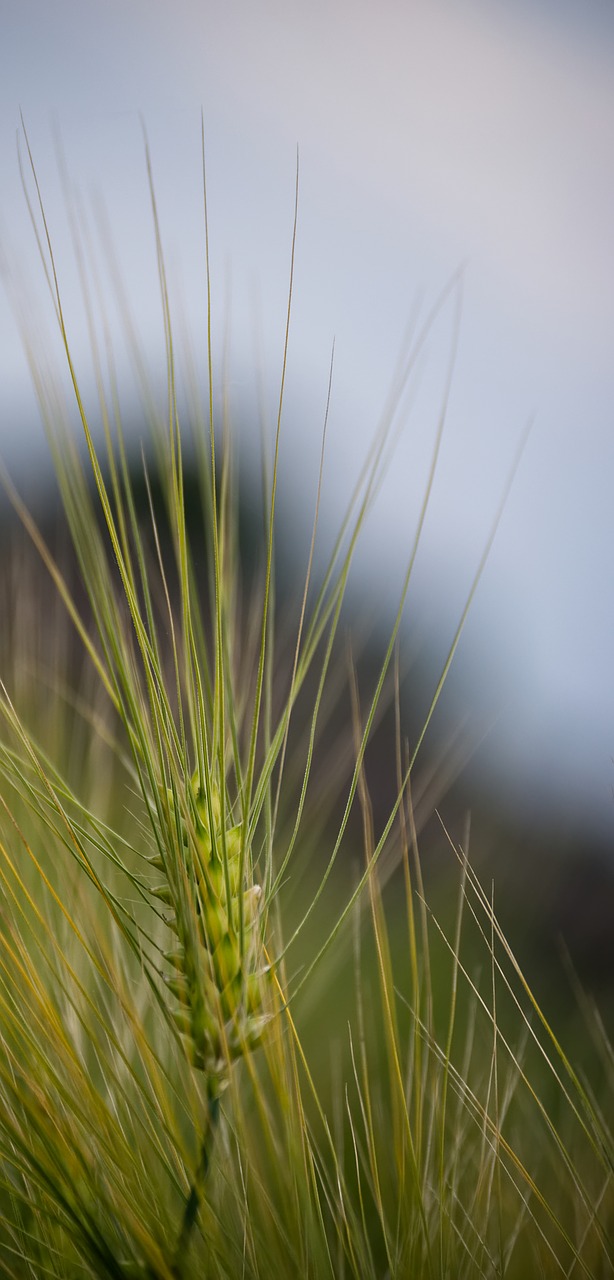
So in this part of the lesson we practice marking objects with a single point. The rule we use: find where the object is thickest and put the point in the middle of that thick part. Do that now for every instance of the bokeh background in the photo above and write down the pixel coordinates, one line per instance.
(433, 138)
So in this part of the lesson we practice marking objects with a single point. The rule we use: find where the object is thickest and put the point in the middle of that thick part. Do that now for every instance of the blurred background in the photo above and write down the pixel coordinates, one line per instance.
(434, 139)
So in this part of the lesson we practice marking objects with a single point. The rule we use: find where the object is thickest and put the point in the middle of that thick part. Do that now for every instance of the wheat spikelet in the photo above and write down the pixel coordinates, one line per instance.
(219, 985)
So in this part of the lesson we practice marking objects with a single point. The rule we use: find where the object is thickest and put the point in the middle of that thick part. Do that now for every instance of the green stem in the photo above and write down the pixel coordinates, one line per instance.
(193, 1201)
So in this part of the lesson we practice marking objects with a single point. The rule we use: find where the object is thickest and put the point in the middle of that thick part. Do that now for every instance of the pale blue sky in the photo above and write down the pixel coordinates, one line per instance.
(430, 135)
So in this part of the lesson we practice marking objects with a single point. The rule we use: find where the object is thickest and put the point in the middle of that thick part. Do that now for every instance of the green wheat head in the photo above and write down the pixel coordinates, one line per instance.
(220, 986)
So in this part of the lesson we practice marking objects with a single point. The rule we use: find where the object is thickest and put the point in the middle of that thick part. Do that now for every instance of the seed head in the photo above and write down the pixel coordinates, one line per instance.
(221, 988)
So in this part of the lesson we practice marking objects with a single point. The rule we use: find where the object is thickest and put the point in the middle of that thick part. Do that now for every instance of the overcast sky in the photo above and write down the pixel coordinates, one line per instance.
(431, 136)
